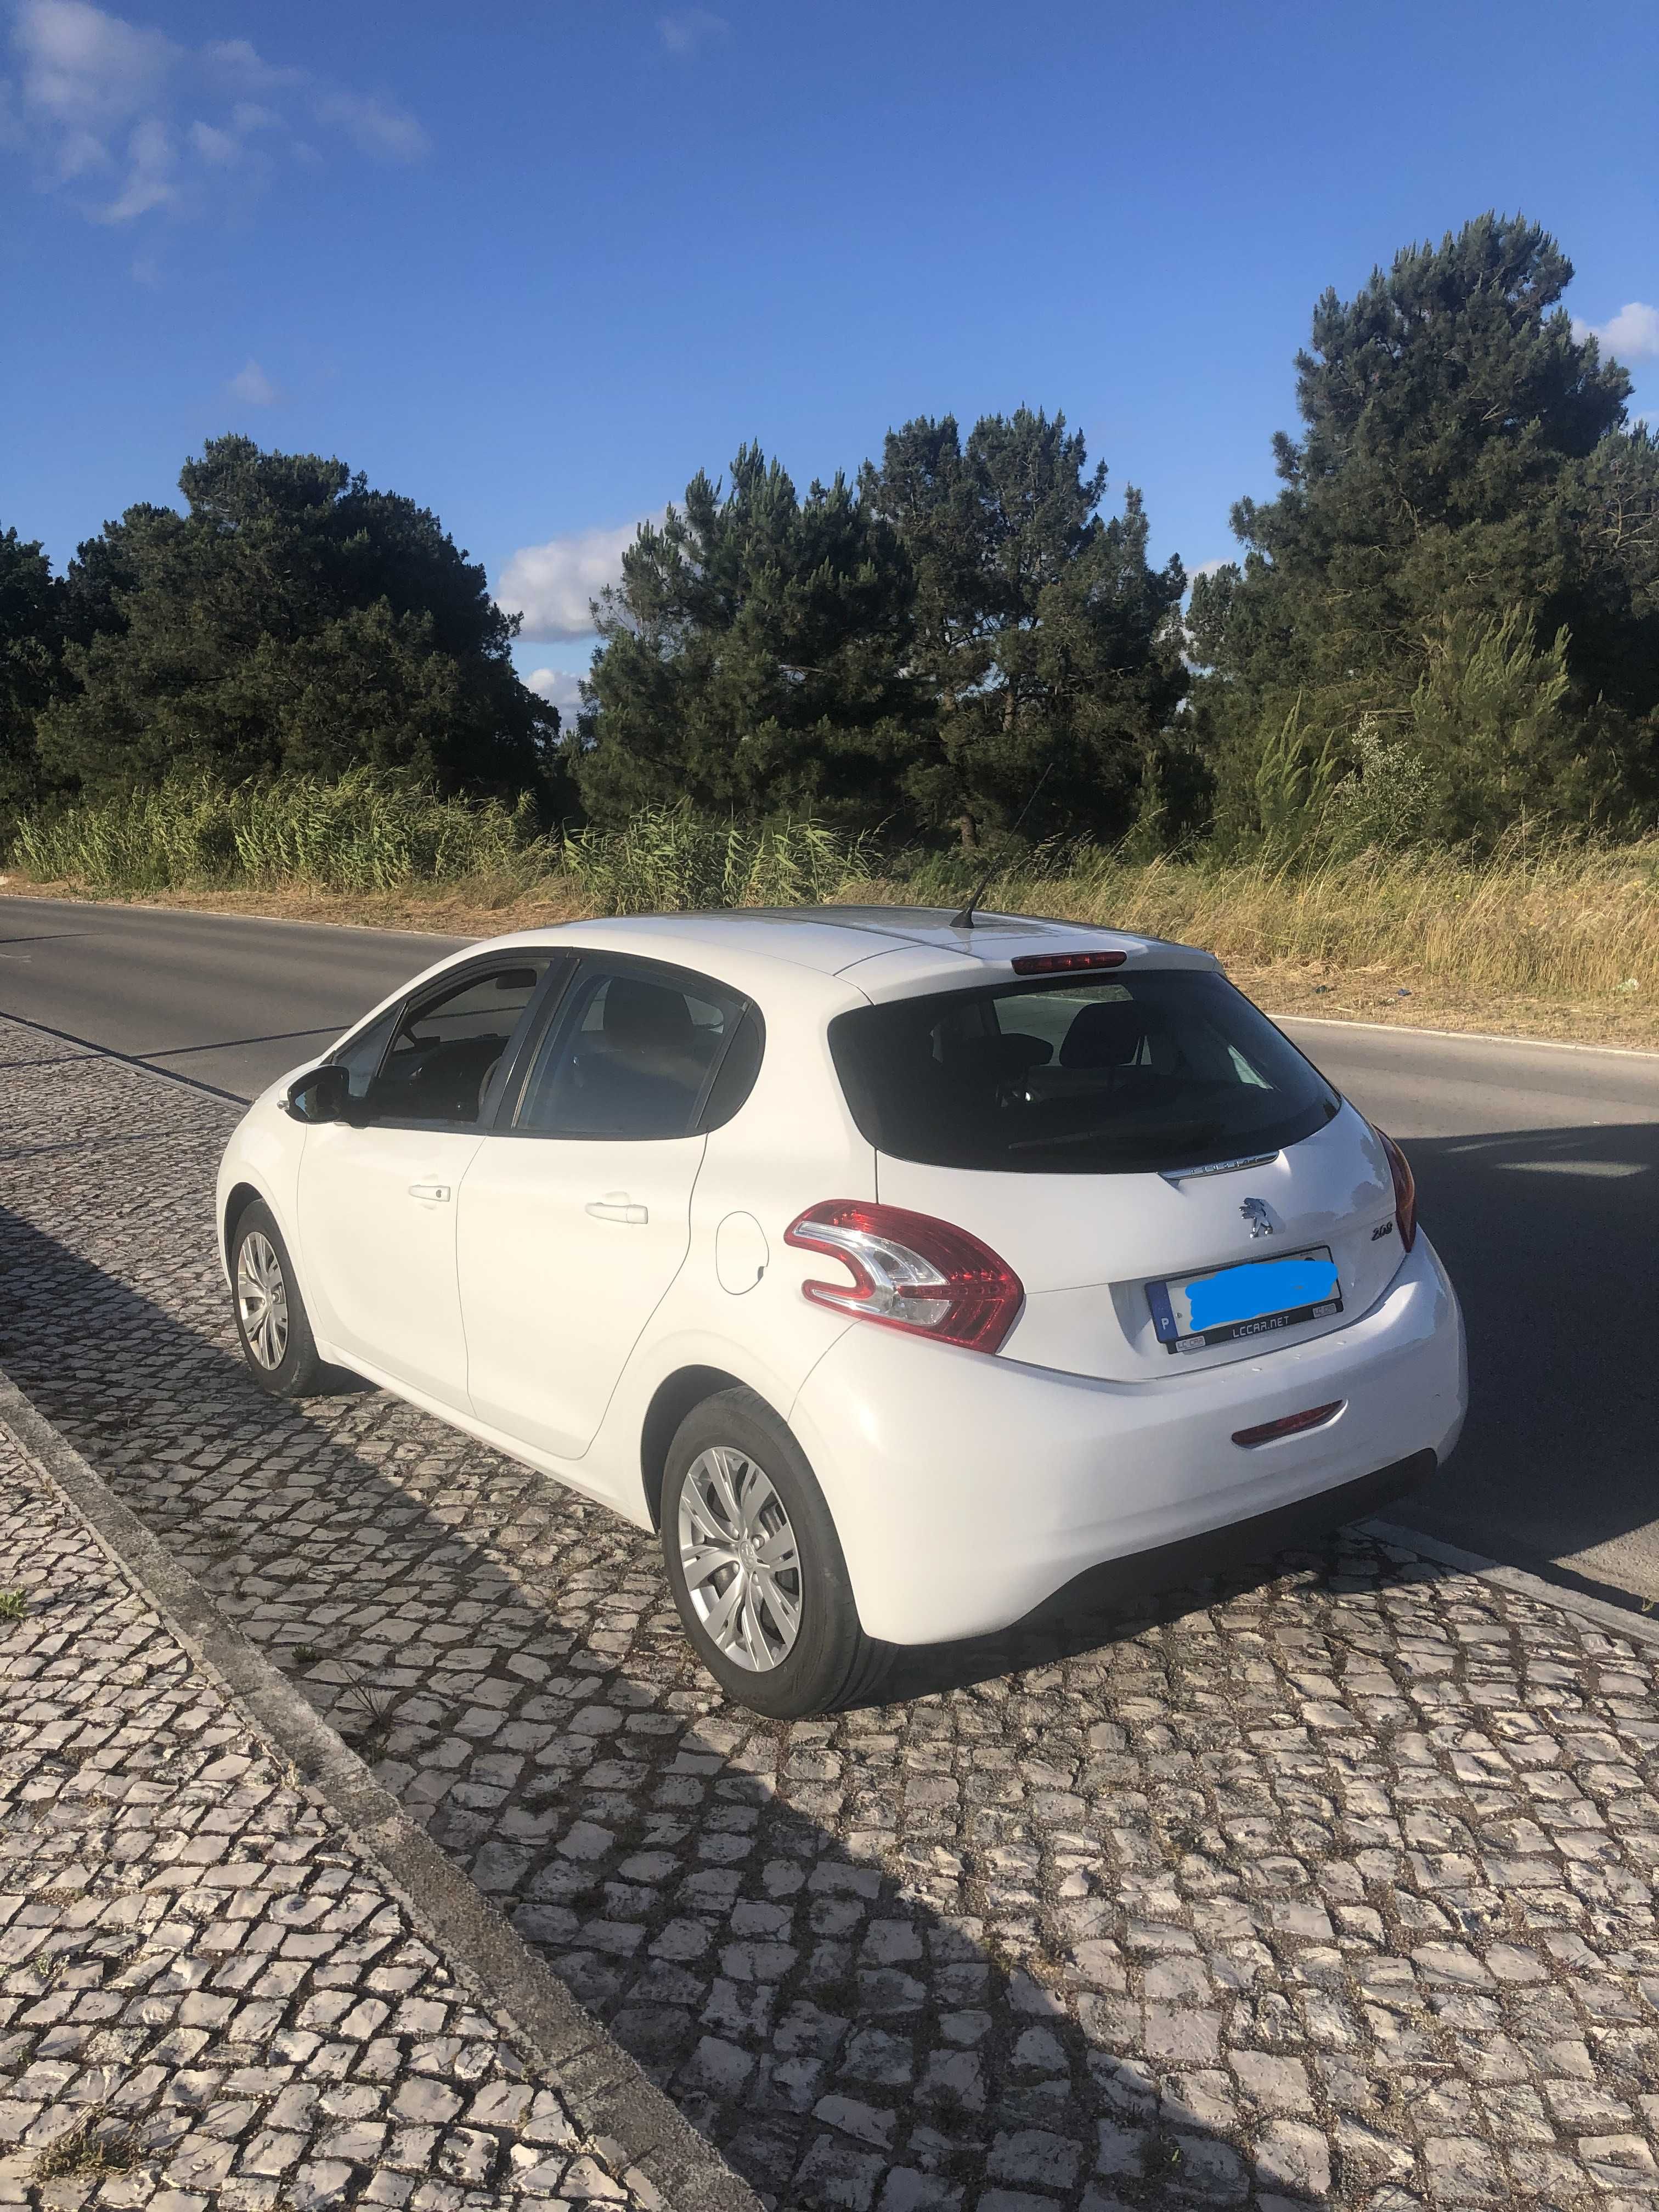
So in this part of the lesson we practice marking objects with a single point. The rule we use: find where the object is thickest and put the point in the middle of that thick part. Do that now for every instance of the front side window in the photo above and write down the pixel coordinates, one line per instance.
(448, 1044)
(1169, 1068)
(632, 1054)
(360, 1055)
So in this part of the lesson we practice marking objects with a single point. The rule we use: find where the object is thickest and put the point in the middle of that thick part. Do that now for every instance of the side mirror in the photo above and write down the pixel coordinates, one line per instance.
(323, 1095)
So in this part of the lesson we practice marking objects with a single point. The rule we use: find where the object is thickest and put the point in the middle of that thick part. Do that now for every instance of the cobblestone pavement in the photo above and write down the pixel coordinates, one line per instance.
(205, 1998)
(1336, 1887)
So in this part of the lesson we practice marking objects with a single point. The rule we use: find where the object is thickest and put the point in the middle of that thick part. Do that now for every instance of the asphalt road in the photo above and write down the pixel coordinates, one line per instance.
(1538, 1170)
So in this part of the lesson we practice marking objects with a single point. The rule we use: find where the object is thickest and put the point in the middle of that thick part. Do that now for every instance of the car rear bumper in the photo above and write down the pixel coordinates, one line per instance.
(969, 1491)
(1191, 1559)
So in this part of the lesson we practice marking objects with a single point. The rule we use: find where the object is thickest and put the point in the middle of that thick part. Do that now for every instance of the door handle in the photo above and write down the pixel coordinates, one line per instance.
(440, 1191)
(617, 1206)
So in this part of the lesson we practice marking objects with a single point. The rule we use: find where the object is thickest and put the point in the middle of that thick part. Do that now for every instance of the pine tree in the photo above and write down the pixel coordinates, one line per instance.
(753, 659)
(1047, 639)
(32, 616)
(290, 617)
(1464, 458)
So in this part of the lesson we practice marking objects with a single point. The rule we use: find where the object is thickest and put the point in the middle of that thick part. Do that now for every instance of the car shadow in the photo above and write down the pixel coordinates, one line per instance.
(881, 1954)
(1549, 1236)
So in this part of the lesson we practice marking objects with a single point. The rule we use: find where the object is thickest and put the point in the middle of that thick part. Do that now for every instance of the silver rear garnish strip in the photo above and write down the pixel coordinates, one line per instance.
(1218, 1167)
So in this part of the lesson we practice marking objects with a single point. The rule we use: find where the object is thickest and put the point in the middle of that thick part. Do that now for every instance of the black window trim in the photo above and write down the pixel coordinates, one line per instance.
(562, 963)
(510, 1099)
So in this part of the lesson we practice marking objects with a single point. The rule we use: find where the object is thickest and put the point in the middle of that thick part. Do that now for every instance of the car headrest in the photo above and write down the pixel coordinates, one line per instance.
(642, 1017)
(997, 1056)
(1107, 1035)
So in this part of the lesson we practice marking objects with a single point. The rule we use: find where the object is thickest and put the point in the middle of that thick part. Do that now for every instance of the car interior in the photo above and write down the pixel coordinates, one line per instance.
(446, 1049)
(630, 1059)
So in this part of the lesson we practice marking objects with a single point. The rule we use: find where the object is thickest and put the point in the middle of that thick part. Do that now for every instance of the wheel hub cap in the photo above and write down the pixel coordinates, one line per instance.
(741, 1562)
(262, 1299)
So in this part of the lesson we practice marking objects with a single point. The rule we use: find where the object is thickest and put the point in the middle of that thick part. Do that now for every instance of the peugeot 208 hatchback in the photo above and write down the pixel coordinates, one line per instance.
(909, 1277)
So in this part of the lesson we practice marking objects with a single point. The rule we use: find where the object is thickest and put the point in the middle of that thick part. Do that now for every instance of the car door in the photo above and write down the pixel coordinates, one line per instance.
(377, 1192)
(575, 1213)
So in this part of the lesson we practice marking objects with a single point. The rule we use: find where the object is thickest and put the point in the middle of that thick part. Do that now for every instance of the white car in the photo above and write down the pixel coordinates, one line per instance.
(910, 1273)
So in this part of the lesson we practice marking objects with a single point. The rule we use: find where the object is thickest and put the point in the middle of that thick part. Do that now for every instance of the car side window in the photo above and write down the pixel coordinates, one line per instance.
(446, 1046)
(360, 1055)
(631, 1055)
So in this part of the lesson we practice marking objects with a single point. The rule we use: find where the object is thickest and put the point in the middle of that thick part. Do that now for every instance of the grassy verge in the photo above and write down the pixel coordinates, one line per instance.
(1560, 942)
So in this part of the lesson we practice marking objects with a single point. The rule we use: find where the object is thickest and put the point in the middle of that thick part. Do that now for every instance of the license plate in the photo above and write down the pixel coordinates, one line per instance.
(1253, 1299)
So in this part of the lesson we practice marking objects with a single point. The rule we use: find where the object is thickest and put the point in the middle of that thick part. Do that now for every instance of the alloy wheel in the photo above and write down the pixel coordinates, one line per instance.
(261, 1300)
(741, 1558)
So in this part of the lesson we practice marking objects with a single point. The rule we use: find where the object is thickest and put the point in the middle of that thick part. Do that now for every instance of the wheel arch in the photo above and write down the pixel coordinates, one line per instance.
(237, 1202)
(672, 1401)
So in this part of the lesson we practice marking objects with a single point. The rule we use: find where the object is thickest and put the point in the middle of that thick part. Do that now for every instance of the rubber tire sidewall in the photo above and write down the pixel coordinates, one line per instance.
(831, 1653)
(301, 1371)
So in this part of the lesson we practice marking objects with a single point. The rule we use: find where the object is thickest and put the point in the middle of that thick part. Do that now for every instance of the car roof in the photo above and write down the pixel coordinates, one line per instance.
(831, 939)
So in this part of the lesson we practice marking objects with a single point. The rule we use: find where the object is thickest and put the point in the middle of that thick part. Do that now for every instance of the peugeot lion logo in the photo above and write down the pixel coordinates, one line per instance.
(1257, 1215)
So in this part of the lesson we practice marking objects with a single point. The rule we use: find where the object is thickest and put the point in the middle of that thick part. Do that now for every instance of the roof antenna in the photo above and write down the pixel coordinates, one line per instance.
(965, 918)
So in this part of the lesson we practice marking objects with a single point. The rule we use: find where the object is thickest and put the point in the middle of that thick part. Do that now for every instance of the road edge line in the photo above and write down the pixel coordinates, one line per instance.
(1469, 1037)
(230, 914)
(1636, 1627)
(637, 2128)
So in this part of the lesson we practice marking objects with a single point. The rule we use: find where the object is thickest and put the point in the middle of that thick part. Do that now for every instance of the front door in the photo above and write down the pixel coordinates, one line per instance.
(575, 1219)
(377, 1205)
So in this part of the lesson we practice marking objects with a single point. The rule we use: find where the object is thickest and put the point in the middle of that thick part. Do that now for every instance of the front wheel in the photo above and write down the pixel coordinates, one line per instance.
(756, 1566)
(270, 1316)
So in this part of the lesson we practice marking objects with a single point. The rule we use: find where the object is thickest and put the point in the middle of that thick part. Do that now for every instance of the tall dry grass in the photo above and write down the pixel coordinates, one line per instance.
(366, 832)
(1554, 921)
(1563, 921)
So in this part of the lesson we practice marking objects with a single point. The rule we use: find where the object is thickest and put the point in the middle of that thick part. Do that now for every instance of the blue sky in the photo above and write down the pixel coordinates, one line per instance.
(535, 262)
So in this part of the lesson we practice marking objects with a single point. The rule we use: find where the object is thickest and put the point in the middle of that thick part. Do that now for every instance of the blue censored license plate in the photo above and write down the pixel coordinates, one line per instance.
(1253, 1299)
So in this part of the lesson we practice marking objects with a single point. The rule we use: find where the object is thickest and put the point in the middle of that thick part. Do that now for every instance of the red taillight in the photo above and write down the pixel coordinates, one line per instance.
(1291, 1424)
(1064, 963)
(1405, 1191)
(910, 1271)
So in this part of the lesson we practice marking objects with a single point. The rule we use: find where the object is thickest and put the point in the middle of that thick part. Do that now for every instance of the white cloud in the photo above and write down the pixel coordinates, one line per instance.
(222, 148)
(100, 105)
(252, 387)
(237, 65)
(1631, 335)
(386, 133)
(85, 70)
(151, 160)
(557, 686)
(1209, 568)
(550, 584)
(691, 27)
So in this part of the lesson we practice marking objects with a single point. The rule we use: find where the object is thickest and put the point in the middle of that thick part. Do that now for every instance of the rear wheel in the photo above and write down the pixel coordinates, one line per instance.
(755, 1565)
(270, 1316)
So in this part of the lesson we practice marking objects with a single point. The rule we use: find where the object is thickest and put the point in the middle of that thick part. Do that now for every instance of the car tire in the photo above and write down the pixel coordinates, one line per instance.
(774, 1621)
(271, 1323)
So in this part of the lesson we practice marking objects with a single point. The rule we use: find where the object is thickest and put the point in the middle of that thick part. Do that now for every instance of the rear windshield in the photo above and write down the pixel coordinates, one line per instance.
(1171, 1068)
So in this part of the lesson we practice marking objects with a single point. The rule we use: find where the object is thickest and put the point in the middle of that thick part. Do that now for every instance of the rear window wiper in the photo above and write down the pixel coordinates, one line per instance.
(1165, 1133)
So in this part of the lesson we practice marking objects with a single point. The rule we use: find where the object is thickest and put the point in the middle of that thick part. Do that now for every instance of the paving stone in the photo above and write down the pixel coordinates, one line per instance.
(90, 1864)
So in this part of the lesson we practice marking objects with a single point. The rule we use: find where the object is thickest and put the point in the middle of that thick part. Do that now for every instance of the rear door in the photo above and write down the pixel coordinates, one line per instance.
(377, 1194)
(575, 1215)
(1117, 1141)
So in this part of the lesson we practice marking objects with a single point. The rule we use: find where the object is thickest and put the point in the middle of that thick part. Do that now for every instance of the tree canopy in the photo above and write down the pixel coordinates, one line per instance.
(292, 618)
(31, 664)
(1446, 621)
(921, 651)
(1045, 641)
(1466, 460)
(755, 656)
